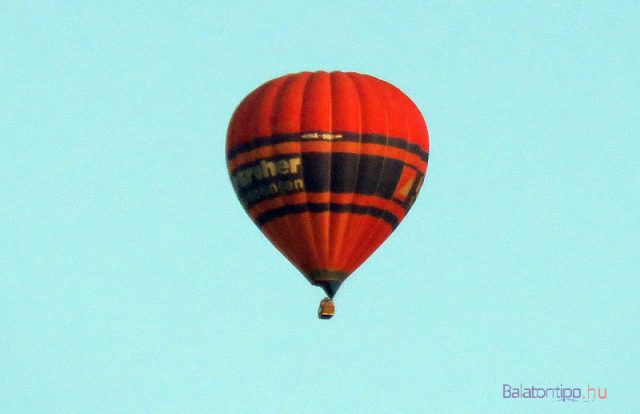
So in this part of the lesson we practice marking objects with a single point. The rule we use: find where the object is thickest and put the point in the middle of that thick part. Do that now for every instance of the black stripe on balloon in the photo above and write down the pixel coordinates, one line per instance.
(324, 207)
(351, 173)
(284, 174)
(346, 136)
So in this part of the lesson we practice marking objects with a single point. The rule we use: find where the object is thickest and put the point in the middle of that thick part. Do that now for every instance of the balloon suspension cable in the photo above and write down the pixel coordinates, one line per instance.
(327, 308)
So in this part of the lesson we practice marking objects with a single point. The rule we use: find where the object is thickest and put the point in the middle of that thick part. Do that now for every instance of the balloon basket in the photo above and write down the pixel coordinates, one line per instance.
(327, 309)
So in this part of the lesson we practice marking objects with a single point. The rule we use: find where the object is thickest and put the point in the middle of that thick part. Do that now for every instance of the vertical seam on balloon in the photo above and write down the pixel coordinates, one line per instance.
(285, 220)
(232, 129)
(365, 236)
(259, 93)
(248, 103)
(410, 120)
(381, 96)
(376, 228)
(343, 220)
(327, 258)
(307, 214)
(344, 259)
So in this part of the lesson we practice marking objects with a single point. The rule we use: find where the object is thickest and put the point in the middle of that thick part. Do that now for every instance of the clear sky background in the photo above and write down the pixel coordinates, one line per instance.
(131, 280)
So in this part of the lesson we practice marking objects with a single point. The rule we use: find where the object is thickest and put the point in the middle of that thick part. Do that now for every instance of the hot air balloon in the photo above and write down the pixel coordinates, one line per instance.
(327, 165)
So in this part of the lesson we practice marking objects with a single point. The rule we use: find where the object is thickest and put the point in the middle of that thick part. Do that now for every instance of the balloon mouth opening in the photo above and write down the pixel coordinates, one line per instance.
(328, 280)
(329, 286)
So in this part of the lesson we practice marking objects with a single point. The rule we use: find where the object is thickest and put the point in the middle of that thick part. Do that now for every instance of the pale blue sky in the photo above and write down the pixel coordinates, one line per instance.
(131, 281)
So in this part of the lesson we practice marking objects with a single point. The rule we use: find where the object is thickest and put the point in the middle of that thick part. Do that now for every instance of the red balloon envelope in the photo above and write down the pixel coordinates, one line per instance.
(327, 165)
